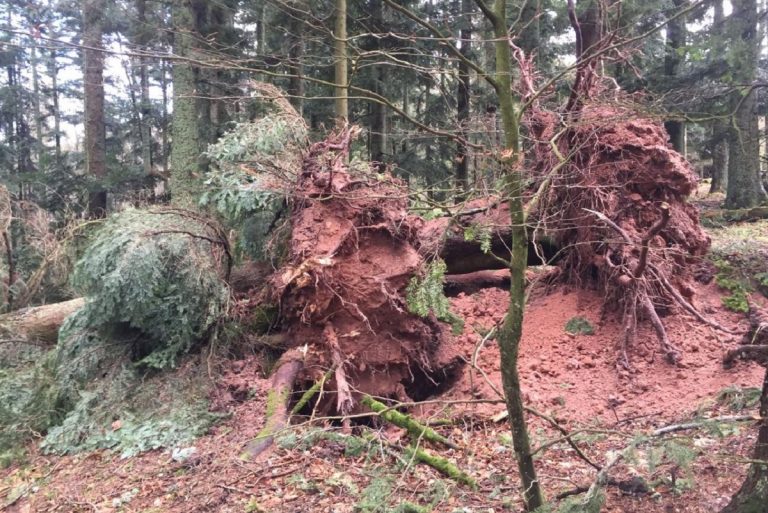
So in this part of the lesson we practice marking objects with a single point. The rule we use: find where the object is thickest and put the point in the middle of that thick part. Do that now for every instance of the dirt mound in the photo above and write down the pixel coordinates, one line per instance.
(353, 251)
(618, 206)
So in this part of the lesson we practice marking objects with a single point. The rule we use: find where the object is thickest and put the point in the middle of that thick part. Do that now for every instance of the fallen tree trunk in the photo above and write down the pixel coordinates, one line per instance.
(39, 324)
(743, 214)
(469, 283)
(480, 241)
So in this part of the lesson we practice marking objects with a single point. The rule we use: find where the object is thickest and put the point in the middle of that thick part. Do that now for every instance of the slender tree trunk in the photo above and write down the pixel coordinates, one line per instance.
(164, 151)
(296, 45)
(676, 35)
(143, 37)
(378, 111)
(719, 145)
(95, 130)
(719, 141)
(463, 94)
(341, 105)
(53, 71)
(39, 147)
(511, 331)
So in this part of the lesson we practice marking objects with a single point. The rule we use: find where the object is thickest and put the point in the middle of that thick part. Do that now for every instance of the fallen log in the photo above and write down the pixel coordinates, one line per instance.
(469, 283)
(479, 239)
(736, 215)
(38, 324)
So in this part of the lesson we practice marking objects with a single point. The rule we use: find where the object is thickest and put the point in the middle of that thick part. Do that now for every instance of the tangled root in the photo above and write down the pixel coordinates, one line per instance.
(616, 202)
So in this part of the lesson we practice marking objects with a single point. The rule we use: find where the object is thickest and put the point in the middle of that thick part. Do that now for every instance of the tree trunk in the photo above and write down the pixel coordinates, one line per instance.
(164, 152)
(39, 324)
(187, 143)
(93, 89)
(511, 332)
(744, 186)
(143, 36)
(719, 145)
(752, 497)
(463, 92)
(378, 111)
(53, 71)
(39, 148)
(295, 38)
(341, 105)
(675, 40)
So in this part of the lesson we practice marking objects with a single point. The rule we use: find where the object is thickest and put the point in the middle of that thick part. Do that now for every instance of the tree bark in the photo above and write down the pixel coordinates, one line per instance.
(378, 111)
(341, 105)
(93, 89)
(752, 497)
(463, 91)
(511, 332)
(188, 142)
(295, 61)
(719, 145)
(744, 187)
(143, 36)
(39, 324)
(676, 33)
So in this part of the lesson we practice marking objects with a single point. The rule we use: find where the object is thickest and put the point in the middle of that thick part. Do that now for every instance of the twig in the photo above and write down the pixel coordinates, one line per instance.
(701, 423)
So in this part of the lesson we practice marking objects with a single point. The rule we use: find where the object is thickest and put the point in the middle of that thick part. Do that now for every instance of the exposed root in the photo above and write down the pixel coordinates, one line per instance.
(612, 166)
(671, 353)
(352, 252)
(279, 395)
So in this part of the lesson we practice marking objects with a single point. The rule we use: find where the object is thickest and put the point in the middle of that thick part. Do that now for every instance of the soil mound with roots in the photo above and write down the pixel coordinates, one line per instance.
(617, 204)
(352, 253)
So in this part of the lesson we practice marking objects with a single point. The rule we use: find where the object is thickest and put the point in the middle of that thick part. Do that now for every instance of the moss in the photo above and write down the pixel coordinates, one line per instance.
(414, 429)
(729, 278)
(442, 465)
(579, 326)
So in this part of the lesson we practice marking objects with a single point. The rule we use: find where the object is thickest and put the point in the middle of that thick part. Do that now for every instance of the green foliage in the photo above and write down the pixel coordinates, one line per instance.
(424, 295)
(28, 403)
(479, 233)
(579, 326)
(253, 163)
(150, 276)
(590, 503)
(353, 446)
(738, 398)
(259, 144)
(740, 255)
(727, 277)
(374, 497)
(154, 291)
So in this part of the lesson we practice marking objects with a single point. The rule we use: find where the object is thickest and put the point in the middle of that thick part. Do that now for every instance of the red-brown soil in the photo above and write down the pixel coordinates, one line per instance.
(573, 378)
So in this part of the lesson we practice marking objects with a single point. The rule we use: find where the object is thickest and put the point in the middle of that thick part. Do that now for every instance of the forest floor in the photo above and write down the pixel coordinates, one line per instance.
(571, 378)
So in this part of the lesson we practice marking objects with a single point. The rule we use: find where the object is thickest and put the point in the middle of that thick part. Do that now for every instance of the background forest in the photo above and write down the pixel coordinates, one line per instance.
(209, 203)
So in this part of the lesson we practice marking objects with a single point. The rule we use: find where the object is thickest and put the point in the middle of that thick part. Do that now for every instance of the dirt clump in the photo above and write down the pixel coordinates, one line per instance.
(619, 207)
(352, 253)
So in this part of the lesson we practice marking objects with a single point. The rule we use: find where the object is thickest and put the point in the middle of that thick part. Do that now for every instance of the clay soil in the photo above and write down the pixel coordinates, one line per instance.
(572, 378)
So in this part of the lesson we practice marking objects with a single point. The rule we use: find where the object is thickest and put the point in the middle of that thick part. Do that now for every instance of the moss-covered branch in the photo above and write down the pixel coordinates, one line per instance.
(442, 465)
(406, 422)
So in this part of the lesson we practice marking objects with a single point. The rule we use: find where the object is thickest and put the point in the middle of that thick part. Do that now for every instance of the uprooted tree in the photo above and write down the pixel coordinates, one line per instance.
(356, 277)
